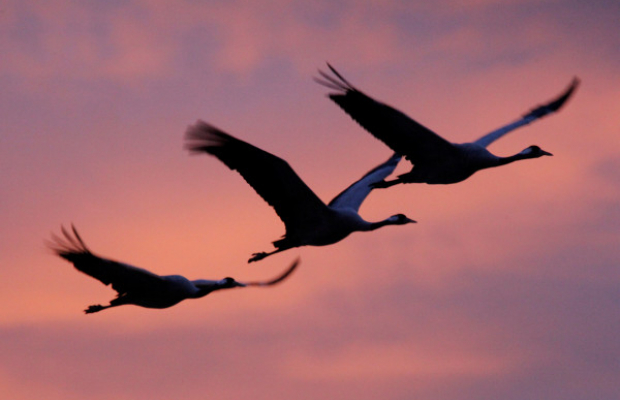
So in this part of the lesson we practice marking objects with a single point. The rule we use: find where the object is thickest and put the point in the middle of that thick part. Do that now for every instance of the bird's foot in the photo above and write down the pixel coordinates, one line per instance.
(386, 184)
(380, 185)
(257, 256)
(94, 309)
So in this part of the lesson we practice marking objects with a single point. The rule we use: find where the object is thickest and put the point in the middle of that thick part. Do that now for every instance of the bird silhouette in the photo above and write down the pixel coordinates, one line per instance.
(138, 286)
(435, 160)
(308, 221)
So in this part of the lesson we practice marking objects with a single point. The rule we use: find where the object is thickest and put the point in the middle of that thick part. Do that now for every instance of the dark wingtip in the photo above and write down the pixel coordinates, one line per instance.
(279, 278)
(67, 246)
(202, 137)
(77, 236)
(555, 105)
(338, 82)
(559, 102)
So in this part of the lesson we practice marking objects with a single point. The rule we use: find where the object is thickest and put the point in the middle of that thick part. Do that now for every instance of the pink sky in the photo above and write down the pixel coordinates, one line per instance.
(507, 288)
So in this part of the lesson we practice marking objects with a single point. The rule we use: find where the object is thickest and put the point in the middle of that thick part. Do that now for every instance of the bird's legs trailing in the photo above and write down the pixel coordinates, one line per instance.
(261, 255)
(96, 308)
(118, 301)
(385, 184)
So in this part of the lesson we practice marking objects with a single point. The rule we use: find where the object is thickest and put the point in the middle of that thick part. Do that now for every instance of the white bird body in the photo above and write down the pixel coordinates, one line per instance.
(138, 286)
(469, 159)
(330, 228)
(435, 160)
(308, 221)
(334, 226)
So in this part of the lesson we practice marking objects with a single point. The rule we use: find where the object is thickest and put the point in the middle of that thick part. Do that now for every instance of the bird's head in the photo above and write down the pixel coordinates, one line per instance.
(229, 282)
(401, 219)
(205, 286)
(534, 152)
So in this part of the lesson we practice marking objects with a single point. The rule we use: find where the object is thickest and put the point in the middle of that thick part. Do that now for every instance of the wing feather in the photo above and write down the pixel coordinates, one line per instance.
(354, 195)
(536, 113)
(122, 277)
(398, 131)
(270, 176)
(278, 278)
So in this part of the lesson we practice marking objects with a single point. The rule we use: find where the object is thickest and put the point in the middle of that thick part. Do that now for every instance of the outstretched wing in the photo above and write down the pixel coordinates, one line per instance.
(401, 133)
(122, 277)
(536, 113)
(270, 176)
(354, 195)
(277, 279)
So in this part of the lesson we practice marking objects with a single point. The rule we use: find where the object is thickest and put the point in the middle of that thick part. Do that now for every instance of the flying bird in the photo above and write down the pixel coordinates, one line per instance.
(308, 221)
(138, 286)
(435, 160)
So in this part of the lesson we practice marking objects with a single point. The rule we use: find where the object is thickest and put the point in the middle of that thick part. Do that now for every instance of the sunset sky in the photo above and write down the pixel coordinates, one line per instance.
(508, 287)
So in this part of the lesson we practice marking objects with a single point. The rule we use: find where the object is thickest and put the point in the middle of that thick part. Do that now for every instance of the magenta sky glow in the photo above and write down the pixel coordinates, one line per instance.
(507, 288)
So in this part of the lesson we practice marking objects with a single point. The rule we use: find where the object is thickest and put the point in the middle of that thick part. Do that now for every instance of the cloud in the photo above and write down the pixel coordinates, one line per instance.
(137, 41)
(523, 333)
(89, 41)
(148, 40)
(507, 287)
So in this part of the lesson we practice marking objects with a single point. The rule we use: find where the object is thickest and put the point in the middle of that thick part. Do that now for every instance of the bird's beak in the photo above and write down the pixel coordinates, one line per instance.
(545, 153)
(412, 221)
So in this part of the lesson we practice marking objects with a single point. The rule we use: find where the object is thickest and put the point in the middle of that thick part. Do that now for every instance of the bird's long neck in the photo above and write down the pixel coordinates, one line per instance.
(203, 287)
(507, 160)
(371, 226)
